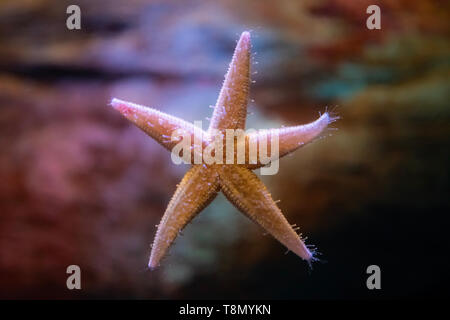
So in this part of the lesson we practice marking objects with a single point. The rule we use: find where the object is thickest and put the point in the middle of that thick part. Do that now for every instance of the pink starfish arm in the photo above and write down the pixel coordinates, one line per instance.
(244, 189)
(289, 138)
(196, 190)
(292, 138)
(159, 125)
(230, 110)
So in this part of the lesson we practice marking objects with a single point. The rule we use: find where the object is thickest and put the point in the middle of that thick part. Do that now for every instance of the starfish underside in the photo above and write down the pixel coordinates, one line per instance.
(239, 184)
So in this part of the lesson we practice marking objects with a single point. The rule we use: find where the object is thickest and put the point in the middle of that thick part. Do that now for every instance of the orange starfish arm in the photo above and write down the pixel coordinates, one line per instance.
(230, 110)
(196, 190)
(159, 125)
(289, 138)
(244, 189)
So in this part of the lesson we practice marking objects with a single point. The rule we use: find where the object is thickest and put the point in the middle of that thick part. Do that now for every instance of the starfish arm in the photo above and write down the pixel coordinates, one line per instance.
(289, 139)
(159, 125)
(247, 192)
(196, 190)
(230, 110)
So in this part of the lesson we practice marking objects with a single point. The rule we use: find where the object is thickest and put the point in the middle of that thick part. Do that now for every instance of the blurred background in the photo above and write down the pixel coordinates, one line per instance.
(81, 185)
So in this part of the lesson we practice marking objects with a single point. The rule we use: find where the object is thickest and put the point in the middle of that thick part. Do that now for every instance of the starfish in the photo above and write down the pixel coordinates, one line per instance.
(239, 184)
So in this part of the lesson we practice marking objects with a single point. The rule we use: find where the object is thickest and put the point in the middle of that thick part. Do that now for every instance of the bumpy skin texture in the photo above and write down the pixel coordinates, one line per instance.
(202, 182)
